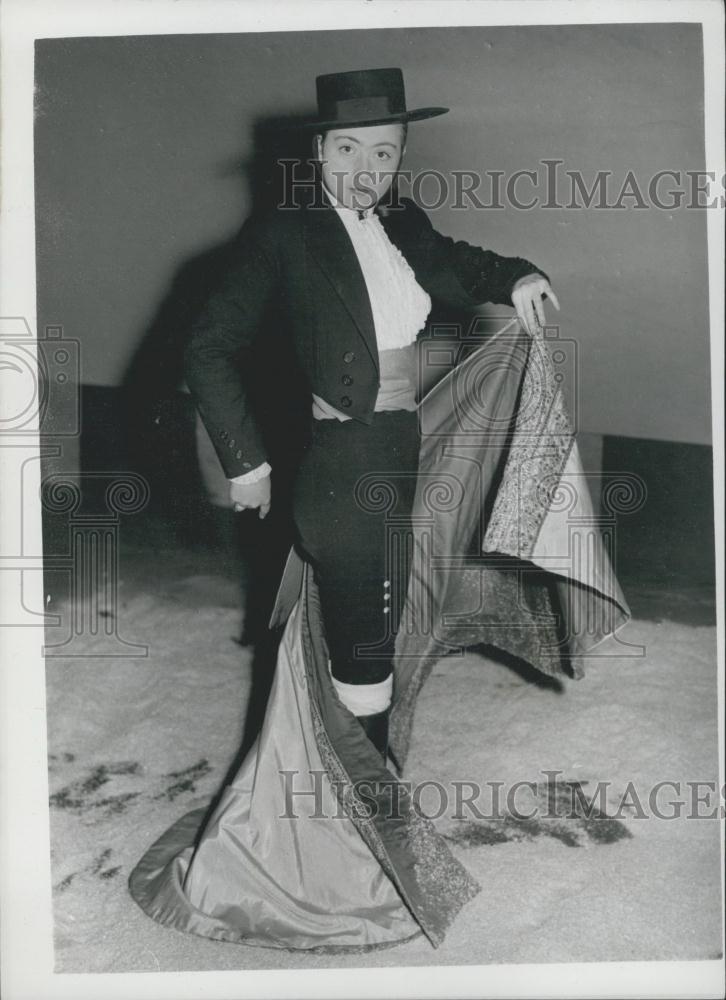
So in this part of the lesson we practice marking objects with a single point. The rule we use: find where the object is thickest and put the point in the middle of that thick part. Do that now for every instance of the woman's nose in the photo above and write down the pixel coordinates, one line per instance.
(373, 164)
(368, 167)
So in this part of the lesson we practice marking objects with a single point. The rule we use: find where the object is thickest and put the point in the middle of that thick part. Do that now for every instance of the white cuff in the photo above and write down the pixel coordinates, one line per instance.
(253, 476)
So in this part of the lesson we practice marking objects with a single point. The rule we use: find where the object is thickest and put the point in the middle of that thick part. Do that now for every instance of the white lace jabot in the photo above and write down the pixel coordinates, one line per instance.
(399, 304)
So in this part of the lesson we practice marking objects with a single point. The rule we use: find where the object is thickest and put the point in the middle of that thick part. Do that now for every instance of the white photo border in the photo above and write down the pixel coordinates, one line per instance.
(27, 923)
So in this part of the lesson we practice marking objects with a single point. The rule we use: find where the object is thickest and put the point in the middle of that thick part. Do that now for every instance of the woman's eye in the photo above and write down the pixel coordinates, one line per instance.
(383, 155)
(344, 149)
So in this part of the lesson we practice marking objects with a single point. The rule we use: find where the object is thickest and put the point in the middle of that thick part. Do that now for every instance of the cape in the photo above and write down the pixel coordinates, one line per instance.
(315, 844)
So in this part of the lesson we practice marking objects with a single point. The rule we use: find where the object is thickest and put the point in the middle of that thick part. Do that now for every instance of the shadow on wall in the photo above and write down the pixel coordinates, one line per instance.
(154, 379)
(159, 419)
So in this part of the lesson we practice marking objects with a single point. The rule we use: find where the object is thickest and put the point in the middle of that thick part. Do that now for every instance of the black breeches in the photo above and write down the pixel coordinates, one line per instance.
(352, 504)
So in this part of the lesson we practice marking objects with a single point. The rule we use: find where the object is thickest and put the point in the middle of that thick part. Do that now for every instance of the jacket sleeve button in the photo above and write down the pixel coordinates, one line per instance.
(348, 357)
(239, 454)
(347, 380)
(346, 400)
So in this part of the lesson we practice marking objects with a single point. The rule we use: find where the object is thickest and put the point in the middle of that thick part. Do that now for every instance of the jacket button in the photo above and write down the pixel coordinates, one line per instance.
(348, 357)
(347, 380)
(245, 465)
(239, 455)
(346, 400)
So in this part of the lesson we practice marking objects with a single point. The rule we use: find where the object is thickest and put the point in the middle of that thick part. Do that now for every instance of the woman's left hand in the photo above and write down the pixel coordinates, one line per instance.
(527, 295)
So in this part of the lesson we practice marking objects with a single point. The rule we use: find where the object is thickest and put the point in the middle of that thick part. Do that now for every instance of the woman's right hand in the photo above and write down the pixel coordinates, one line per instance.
(252, 495)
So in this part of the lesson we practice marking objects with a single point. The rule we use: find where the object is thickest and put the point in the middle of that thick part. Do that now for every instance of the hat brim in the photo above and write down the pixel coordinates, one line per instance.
(418, 114)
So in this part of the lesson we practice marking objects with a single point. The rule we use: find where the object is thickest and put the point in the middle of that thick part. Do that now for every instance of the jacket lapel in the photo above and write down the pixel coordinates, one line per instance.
(329, 244)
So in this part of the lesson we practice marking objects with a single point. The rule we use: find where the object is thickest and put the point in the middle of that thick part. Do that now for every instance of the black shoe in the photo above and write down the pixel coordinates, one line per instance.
(376, 729)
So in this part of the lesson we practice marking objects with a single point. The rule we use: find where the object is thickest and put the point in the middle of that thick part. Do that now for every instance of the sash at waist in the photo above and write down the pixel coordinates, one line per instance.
(397, 390)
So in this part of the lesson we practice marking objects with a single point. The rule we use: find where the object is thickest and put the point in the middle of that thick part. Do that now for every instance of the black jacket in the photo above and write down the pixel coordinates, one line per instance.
(302, 260)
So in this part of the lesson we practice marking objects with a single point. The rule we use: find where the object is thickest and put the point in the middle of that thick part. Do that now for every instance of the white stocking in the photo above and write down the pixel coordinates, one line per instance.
(364, 699)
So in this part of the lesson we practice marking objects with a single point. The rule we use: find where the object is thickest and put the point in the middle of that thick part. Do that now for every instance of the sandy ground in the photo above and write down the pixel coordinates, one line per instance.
(136, 742)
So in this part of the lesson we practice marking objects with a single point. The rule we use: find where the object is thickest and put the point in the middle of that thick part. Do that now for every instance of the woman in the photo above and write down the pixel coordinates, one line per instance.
(355, 335)
(356, 283)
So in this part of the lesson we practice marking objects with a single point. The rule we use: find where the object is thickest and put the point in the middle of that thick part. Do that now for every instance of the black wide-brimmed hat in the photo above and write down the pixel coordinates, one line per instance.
(364, 97)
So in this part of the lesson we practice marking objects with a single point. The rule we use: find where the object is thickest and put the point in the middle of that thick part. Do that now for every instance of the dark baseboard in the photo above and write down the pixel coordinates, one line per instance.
(669, 539)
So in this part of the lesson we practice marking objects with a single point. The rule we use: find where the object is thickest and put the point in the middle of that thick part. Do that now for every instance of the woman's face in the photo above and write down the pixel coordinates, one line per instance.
(359, 164)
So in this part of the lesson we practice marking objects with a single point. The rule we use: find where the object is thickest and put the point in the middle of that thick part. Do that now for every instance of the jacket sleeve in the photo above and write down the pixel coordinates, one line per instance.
(461, 274)
(219, 345)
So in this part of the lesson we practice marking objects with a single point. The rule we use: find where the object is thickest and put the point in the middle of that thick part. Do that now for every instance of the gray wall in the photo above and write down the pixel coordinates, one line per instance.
(140, 143)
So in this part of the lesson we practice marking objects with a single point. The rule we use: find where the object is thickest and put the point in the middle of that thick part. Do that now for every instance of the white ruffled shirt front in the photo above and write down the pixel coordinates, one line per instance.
(400, 306)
